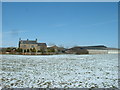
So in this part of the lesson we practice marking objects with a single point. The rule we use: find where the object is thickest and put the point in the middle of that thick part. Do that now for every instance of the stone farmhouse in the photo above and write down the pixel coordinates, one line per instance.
(32, 44)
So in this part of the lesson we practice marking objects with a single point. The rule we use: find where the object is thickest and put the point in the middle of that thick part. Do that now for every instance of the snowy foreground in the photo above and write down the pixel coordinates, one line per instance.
(60, 71)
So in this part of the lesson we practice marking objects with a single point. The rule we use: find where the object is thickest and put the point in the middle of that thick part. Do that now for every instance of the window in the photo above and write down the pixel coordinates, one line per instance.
(32, 46)
(24, 46)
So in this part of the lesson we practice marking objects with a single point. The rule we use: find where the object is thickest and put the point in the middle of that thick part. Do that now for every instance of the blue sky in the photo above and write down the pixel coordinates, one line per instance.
(66, 24)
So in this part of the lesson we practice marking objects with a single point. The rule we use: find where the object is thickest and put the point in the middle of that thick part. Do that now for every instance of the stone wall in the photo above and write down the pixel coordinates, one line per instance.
(28, 46)
(92, 51)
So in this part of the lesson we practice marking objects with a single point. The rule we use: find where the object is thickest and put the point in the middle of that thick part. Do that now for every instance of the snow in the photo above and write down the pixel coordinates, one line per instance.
(60, 71)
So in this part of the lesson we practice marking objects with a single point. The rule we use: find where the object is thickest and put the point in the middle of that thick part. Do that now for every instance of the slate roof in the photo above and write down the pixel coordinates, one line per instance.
(41, 44)
(31, 42)
(28, 42)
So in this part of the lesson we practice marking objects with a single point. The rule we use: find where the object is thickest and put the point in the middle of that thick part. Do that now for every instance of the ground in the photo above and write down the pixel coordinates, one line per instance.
(60, 71)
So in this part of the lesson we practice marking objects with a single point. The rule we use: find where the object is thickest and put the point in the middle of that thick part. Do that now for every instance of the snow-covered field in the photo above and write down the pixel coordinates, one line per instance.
(60, 71)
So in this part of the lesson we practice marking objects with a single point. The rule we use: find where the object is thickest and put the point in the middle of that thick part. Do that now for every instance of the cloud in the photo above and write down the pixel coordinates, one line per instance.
(13, 32)
(99, 23)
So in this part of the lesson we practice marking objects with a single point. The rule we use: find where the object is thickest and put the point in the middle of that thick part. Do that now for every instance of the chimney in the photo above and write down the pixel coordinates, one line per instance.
(19, 39)
(36, 40)
(27, 39)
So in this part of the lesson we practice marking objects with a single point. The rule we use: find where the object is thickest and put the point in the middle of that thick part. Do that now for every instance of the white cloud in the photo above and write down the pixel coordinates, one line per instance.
(99, 23)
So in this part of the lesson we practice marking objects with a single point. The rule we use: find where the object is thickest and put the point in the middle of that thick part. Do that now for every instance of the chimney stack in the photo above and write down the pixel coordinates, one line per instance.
(19, 39)
(36, 40)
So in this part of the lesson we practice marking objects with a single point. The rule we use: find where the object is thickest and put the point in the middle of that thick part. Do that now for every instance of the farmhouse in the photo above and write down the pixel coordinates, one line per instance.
(28, 45)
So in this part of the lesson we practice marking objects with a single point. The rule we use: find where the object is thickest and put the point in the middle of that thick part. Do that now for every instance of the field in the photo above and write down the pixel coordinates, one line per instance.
(60, 71)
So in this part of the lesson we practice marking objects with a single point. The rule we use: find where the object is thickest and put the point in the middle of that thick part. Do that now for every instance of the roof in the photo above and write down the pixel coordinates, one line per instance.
(77, 48)
(31, 42)
(28, 42)
(41, 44)
(101, 47)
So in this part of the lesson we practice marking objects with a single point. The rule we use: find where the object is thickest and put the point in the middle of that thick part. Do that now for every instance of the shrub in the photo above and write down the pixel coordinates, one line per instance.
(19, 50)
(8, 50)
